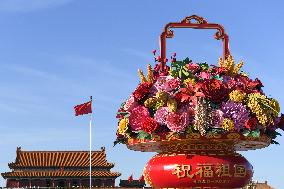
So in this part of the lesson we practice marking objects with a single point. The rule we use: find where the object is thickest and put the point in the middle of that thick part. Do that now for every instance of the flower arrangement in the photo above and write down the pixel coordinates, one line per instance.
(195, 97)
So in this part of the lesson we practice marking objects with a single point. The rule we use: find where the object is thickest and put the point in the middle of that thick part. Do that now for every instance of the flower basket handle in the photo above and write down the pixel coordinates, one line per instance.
(200, 23)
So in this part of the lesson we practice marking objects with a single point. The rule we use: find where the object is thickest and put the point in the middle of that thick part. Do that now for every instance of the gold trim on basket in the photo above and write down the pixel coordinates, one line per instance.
(195, 143)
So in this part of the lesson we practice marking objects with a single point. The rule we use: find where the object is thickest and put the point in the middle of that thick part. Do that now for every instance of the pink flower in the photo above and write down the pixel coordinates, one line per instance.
(177, 122)
(161, 115)
(204, 75)
(130, 104)
(193, 67)
(138, 114)
(167, 83)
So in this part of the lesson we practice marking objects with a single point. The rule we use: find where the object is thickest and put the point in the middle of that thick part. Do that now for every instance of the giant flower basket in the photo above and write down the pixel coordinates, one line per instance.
(197, 116)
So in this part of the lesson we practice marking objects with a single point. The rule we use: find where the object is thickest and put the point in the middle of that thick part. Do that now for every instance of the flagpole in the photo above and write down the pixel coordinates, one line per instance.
(91, 145)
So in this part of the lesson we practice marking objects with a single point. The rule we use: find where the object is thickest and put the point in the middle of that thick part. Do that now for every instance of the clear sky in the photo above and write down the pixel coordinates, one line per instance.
(54, 54)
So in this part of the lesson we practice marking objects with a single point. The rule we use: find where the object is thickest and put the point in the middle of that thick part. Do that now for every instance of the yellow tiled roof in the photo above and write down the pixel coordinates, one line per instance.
(59, 159)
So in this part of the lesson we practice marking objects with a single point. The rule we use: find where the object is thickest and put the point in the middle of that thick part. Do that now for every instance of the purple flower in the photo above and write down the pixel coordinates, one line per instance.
(236, 112)
(217, 116)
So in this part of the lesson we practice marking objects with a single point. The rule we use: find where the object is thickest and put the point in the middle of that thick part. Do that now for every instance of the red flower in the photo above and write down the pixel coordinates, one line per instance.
(157, 71)
(218, 70)
(256, 84)
(214, 90)
(193, 67)
(184, 95)
(142, 90)
(251, 123)
(245, 84)
(149, 125)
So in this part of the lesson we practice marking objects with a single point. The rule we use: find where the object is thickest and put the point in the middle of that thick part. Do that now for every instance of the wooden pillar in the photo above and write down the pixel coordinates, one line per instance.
(8, 183)
(30, 183)
(53, 183)
(112, 182)
(18, 183)
(69, 183)
(103, 182)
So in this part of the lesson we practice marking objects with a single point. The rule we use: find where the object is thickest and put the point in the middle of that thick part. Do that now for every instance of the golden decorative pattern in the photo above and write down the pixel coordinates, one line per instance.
(233, 136)
(193, 136)
(195, 143)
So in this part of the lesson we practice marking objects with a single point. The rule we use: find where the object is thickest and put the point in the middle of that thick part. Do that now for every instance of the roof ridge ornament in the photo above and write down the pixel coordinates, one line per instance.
(19, 149)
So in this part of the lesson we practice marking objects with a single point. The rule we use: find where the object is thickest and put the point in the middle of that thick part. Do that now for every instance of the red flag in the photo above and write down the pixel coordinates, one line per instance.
(85, 108)
(130, 178)
(141, 179)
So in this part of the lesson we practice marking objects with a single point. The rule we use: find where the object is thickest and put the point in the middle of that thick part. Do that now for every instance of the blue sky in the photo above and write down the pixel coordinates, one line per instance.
(54, 54)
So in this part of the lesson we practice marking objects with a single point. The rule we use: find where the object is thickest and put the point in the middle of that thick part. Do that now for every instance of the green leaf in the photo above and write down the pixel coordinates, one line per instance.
(204, 66)
(185, 72)
(266, 105)
(122, 113)
(126, 115)
(214, 106)
(274, 142)
(276, 133)
(178, 68)
(119, 141)
(217, 131)
(180, 73)
(143, 135)
(218, 77)
(246, 133)
(255, 133)
(122, 104)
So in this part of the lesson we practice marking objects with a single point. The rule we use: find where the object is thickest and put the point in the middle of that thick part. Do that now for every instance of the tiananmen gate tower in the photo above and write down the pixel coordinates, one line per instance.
(59, 169)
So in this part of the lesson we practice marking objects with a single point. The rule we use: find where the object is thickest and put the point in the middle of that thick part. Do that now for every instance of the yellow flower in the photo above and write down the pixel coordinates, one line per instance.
(262, 107)
(150, 74)
(189, 81)
(275, 105)
(162, 96)
(237, 96)
(242, 73)
(231, 68)
(158, 105)
(228, 125)
(150, 102)
(141, 76)
(123, 126)
(172, 105)
(150, 77)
